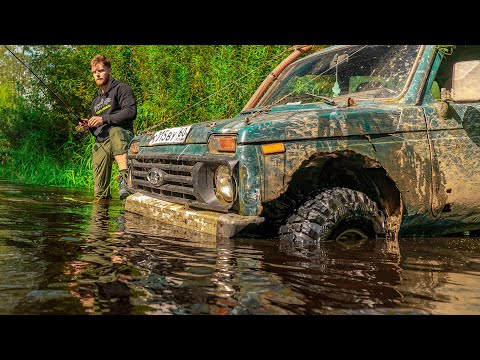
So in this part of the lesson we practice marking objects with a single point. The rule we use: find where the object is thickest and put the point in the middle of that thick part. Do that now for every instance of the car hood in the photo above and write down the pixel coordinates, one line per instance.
(303, 122)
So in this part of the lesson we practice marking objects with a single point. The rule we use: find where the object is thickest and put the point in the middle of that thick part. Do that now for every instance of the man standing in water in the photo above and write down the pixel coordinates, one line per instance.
(113, 111)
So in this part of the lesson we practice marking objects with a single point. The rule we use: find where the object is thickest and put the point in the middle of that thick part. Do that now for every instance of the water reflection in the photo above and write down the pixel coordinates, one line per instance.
(191, 273)
(335, 277)
(93, 274)
(61, 253)
(34, 247)
(441, 275)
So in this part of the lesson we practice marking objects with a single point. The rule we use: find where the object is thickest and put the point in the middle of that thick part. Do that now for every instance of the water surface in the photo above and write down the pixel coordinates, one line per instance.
(62, 253)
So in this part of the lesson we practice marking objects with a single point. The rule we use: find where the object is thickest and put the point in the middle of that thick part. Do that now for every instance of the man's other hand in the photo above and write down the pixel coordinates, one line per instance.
(83, 123)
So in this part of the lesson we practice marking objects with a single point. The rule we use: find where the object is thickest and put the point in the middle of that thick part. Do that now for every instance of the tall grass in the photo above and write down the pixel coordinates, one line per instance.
(173, 85)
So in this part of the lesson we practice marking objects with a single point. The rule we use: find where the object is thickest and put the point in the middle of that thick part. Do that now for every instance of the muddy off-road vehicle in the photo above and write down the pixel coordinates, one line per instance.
(347, 142)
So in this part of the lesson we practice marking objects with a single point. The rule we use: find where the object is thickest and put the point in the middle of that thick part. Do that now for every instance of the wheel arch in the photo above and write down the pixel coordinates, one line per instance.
(339, 169)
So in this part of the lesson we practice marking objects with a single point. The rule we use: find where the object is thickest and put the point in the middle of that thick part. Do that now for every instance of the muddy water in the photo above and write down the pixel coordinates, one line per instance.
(62, 254)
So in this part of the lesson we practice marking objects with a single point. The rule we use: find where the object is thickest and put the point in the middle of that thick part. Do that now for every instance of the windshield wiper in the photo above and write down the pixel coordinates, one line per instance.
(263, 109)
(326, 99)
(298, 99)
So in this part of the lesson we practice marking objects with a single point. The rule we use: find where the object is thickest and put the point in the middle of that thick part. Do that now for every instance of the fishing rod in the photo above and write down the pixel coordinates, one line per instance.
(77, 117)
(70, 110)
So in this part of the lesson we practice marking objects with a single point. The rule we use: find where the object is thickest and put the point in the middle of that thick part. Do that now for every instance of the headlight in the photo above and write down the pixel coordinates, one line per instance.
(224, 184)
(223, 143)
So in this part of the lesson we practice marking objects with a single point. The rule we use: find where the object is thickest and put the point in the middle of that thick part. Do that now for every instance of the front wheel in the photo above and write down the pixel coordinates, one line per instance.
(340, 214)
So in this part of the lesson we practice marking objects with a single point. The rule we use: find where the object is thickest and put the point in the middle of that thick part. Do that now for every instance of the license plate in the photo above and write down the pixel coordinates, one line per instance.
(168, 136)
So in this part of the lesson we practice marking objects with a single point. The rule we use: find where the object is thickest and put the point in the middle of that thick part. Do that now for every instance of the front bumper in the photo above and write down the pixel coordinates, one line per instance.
(204, 221)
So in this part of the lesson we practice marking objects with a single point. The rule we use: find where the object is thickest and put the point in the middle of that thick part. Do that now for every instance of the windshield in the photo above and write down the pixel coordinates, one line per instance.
(359, 71)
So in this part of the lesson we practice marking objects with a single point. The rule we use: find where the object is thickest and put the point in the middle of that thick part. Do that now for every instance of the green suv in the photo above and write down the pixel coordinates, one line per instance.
(348, 142)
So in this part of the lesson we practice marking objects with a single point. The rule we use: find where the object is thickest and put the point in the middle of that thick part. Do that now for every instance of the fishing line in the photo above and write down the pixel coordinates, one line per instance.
(145, 131)
(78, 118)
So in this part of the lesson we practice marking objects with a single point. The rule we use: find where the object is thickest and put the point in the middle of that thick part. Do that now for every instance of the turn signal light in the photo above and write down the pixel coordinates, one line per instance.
(273, 148)
(227, 144)
(218, 144)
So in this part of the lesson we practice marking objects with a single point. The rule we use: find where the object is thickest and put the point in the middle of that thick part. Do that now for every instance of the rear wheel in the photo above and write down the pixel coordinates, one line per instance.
(340, 214)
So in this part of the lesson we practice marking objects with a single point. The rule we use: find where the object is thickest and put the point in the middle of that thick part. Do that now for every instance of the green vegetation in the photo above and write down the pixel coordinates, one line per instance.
(445, 49)
(173, 84)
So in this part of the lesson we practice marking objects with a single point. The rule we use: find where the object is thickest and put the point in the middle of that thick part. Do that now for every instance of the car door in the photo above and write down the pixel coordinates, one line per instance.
(454, 136)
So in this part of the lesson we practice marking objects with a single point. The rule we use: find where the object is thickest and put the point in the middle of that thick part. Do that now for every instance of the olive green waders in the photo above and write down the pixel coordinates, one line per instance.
(103, 156)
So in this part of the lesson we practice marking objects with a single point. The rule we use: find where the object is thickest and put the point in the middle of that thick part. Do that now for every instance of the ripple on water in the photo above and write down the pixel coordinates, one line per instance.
(62, 254)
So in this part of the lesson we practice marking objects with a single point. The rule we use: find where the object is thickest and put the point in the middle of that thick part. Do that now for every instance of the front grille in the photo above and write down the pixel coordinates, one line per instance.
(186, 180)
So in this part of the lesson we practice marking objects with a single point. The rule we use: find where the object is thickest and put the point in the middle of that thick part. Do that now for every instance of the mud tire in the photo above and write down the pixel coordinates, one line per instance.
(333, 212)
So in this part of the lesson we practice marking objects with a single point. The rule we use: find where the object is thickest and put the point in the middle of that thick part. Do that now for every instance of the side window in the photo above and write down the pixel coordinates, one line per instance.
(465, 112)
(443, 79)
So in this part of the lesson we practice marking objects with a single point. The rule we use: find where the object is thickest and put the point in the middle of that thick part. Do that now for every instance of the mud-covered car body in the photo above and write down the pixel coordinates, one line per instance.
(399, 124)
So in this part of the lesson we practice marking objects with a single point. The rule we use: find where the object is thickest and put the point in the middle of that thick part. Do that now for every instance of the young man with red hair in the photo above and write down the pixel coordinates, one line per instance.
(113, 111)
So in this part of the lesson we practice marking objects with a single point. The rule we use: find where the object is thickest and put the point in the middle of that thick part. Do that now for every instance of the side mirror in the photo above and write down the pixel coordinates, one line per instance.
(466, 81)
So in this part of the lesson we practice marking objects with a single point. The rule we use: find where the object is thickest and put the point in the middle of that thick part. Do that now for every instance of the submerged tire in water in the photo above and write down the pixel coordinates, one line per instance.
(340, 214)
